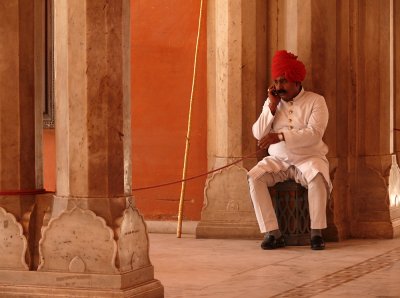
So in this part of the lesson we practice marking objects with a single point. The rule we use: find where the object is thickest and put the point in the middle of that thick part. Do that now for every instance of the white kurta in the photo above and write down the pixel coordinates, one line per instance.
(303, 122)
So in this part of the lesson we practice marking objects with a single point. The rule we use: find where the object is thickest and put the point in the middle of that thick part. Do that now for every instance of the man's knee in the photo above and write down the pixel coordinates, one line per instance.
(318, 181)
(250, 179)
(267, 178)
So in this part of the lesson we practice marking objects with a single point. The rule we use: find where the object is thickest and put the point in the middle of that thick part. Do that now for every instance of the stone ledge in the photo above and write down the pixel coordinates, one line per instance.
(228, 230)
(152, 289)
(44, 284)
(169, 227)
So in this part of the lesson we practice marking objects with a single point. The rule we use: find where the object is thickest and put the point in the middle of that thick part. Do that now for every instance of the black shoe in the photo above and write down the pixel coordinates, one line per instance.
(317, 243)
(270, 242)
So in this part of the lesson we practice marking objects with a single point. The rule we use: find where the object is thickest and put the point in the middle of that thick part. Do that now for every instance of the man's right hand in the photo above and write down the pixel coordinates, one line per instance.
(273, 96)
(274, 99)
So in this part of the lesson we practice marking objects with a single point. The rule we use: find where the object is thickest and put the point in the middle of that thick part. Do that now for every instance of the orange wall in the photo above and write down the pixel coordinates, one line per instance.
(163, 46)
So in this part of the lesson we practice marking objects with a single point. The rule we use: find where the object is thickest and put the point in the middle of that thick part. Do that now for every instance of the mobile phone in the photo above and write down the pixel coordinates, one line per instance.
(274, 92)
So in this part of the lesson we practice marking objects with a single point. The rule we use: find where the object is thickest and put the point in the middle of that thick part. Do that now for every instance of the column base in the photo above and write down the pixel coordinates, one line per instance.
(228, 211)
(138, 283)
(395, 218)
(373, 229)
(331, 233)
(226, 230)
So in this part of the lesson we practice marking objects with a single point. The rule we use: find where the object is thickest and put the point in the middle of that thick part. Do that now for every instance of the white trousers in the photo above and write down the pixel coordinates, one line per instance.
(265, 213)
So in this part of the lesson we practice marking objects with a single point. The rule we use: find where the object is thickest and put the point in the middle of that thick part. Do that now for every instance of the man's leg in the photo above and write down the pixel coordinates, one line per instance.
(264, 209)
(262, 203)
(317, 199)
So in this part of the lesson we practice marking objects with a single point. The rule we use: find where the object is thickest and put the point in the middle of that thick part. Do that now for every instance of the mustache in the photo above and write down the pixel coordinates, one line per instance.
(281, 91)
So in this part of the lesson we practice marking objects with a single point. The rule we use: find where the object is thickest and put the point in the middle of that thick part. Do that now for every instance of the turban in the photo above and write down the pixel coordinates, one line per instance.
(286, 64)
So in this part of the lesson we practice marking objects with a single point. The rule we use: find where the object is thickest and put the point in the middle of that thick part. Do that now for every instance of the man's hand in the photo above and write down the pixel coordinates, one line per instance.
(268, 140)
(274, 98)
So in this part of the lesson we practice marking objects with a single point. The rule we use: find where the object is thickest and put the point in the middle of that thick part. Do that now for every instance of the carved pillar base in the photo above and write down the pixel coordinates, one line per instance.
(333, 231)
(394, 196)
(82, 253)
(17, 230)
(14, 244)
(395, 217)
(213, 229)
(138, 283)
(371, 208)
(227, 211)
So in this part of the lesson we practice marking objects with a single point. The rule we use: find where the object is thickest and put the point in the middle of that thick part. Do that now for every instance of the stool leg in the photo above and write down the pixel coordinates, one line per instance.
(317, 197)
(262, 203)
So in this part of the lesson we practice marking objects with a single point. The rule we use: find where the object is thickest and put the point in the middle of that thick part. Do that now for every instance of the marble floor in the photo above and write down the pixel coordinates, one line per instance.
(189, 267)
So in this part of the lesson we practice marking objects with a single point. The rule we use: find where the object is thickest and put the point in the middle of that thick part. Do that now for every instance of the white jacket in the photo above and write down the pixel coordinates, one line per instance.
(303, 122)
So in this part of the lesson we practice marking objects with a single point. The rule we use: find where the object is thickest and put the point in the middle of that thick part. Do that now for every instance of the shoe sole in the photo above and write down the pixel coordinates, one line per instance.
(272, 247)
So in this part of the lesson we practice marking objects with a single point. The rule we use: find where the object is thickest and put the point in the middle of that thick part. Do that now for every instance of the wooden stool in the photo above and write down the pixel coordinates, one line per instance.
(290, 201)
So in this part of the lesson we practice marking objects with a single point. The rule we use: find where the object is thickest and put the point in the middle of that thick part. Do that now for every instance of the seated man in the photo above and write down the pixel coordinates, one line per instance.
(291, 126)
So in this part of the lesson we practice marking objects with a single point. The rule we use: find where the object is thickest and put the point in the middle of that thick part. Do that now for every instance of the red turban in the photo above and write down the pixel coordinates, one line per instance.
(286, 64)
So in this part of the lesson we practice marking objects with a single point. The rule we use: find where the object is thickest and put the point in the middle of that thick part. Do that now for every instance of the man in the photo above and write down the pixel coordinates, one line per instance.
(291, 126)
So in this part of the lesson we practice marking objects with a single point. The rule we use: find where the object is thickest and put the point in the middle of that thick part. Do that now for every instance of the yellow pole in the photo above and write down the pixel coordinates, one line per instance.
(187, 143)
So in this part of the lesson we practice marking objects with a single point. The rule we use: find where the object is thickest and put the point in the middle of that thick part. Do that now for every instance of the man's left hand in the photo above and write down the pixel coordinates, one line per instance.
(268, 140)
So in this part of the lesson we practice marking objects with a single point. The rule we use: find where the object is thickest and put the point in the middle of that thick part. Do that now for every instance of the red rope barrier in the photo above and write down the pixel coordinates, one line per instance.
(197, 176)
(15, 192)
(42, 190)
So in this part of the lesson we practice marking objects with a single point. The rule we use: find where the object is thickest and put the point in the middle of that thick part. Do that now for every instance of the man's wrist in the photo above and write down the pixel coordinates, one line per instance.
(272, 108)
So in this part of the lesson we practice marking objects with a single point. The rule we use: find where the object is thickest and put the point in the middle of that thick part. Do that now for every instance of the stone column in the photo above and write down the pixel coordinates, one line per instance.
(236, 43)
(94, 242)
(348, 62)
(93, 209)
(396, 72)
(19, 134)
(395, 94)
(318, 23)
(372, 59)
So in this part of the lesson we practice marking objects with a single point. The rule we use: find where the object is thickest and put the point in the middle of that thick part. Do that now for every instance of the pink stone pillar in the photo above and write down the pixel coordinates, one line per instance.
(92, 108)
(94, 230)
(20, 168)
(236, 41)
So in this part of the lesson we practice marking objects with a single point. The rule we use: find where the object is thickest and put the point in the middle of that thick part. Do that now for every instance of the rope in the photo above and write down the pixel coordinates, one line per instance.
(187, 143)
(199, 175)
(15, 192)
(42, 190)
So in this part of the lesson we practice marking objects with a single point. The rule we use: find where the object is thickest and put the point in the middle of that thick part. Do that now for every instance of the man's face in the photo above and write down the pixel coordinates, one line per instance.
(287, 90)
